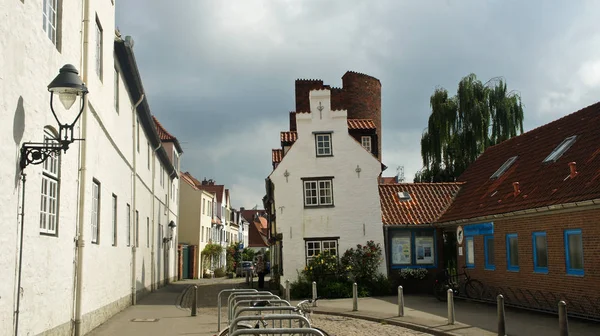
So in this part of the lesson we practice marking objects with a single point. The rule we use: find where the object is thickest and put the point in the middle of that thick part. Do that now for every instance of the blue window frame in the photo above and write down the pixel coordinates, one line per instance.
(512, 252)
(574, 251)
(540, 252)
(413, 248)
(469, 252)
(488, 247)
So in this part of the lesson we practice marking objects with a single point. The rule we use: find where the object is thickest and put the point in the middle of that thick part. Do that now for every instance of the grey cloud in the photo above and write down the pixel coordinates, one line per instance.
(220, 74)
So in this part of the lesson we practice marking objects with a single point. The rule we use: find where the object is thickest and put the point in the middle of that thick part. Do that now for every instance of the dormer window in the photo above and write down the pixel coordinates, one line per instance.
(365, 141)
(323, 144)
(504, 167)
(560, 149)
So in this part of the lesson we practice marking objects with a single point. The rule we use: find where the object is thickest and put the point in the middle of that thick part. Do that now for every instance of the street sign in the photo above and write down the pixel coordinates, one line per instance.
(459, 235)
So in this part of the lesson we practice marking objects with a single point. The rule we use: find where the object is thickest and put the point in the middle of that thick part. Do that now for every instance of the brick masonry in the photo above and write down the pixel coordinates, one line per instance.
(583, 289)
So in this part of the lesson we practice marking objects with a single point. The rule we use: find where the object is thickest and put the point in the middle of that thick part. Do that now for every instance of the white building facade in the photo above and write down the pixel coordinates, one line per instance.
(94, 218)
(326, 194)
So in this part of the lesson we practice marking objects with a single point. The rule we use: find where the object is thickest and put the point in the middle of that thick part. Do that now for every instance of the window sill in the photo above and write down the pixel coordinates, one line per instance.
(412, 266)
(540, 270)
(575, 273)
(471, 266)
(513, 269)
(320, 156)
(47, 234)
(318, 206)
(490, 268)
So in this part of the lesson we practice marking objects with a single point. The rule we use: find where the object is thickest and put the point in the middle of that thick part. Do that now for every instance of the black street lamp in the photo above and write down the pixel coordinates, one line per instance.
(67, 85)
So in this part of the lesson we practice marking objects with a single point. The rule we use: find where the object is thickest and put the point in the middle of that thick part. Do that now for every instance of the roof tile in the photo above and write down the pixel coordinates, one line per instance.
(361, 124)
(289, 136)
(541, 184)
(427, 202)
(277, 155)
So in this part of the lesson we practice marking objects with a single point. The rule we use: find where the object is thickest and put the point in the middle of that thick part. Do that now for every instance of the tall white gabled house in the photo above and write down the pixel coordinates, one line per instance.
(323, 194)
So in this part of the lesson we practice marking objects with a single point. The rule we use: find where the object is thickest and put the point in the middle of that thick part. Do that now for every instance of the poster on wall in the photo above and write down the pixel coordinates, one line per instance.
(401, 250)
(424, 250)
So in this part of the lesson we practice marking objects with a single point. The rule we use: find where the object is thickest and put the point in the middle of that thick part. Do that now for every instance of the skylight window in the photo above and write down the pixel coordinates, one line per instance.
(404, 195)
(504, 167)
(560, 149)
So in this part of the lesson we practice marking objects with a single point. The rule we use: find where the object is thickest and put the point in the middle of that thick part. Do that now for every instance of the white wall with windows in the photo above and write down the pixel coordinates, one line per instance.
(326, 189)
(49, 37)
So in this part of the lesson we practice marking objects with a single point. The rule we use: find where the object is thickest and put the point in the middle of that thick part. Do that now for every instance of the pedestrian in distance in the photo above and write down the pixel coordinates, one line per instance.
(260, 270)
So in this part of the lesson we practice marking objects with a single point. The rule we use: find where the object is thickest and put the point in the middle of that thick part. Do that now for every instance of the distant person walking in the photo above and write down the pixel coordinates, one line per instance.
(260, 270)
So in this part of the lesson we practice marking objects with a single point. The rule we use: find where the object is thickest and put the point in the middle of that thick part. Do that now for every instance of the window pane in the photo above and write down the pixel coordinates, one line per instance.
(470, 252)
(514, 251)
(541, 251)
(490, 251)
(424, 247)
(576, 251)
(401, 248)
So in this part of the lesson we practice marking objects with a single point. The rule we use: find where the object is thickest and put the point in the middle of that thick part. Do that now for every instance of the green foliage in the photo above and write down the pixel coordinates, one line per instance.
(233, 257)
(211, 252)
(324, 267)
(248, 254)
(461, 127)
(363, 262)
(219, 272)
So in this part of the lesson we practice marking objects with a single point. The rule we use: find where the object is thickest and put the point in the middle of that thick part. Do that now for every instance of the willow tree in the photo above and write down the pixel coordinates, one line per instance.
(461, 127)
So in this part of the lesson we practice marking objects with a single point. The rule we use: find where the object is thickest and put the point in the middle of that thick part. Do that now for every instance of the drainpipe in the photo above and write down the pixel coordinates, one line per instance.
(134, 202)
(79, 240)
(153, 266)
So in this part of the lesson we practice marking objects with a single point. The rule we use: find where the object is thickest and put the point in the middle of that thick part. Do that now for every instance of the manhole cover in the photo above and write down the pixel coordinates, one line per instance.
(144, 320)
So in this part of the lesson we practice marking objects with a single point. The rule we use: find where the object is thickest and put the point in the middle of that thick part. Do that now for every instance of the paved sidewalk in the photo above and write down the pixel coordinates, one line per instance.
(427, 314)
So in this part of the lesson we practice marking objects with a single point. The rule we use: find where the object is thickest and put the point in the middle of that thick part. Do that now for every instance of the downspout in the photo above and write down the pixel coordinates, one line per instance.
(134, 204)
(79, 239)
(153, 266)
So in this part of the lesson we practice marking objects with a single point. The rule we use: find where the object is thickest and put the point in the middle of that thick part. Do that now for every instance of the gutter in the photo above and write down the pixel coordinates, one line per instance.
(580, 205)
(79, 239)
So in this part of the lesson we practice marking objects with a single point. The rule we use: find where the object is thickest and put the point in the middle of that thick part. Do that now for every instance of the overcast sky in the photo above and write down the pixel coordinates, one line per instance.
(219, 74)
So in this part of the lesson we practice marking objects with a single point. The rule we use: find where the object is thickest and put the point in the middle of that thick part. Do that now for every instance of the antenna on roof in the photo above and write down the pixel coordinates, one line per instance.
(400, 174)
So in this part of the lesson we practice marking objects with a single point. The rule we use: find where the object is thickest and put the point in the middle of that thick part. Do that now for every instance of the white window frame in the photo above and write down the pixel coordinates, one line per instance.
(312, 247)
(560, 149)
(116, 89)
(50, 188)
(99, 47)
(323, 144)
(128, 225)
(321, 192)
(366, 142)
(114, 219)
(95, 216)
(50, 19)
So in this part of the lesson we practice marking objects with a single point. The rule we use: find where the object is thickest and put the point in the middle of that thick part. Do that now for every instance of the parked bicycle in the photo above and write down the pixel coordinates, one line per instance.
(304, 308)
(472, 288)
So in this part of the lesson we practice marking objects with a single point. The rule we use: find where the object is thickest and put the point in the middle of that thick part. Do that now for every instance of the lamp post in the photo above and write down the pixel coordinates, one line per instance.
(68, 86)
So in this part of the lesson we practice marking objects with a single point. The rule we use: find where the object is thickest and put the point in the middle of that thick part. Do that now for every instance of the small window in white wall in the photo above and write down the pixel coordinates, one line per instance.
(148, 145)
(114, 220)
(128, 225)
(137, 121)
(318, 192)
(323, 144)
(95, 216)
(50, 189)
(116, 89)
(365, 141)
(137, 228)
(50, 19)
(99, 47)
(313, 247)
(147, 231)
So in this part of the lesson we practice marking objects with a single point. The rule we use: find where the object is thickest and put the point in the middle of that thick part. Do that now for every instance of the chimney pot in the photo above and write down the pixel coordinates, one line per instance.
(516, 189)
(573, 169)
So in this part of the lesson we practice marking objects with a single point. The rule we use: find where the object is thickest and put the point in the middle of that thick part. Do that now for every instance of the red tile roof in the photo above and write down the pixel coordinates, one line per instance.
(388, 180)
(277, 155)
(189, 179)
(164, 135)
(257, 234)
(427, 202)
(217, 189)
(541, 184)
(361, 124)
(289, 136)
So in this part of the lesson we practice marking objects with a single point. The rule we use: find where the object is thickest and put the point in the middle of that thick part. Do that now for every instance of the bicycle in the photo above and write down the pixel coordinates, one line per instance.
(303, 308)
(473, 288)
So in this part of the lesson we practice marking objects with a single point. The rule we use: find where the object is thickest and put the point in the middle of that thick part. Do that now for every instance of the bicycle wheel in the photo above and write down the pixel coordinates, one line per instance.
(225, 332)
(474, 289)
(322, 331)
(440, 291)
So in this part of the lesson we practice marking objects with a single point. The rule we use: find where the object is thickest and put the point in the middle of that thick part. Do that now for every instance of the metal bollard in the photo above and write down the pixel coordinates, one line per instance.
(563, 322)
(314, 293)
(400, 301)
(287, 290)
(451, 317)
(354, 297)
(501, 316)
(195, 302)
